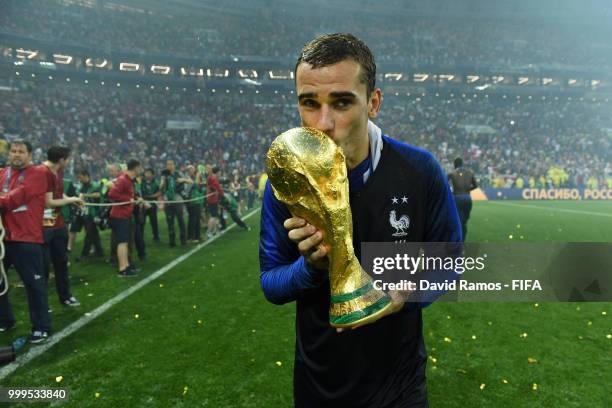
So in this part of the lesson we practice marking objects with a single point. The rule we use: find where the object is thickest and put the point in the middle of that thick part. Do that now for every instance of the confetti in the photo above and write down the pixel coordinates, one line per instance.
(212, 265)
(490, 323)
(510, 236)
(136, 316)
(536, 305)
(580, 337)
(518, 225)
(200, 322)
(59, 378)
(604, 313)
(504, 381)
(608, 336)
(86, 283)
(433, 359)
(523, 335)
(194, 307)
(473, 337)
(534, 387)
(578, 308)
(90, 294)
(161, 285)
(448, 317)
(531, 360)
(589, 323)
(185, 390)
(482, 386)
(447, 339)
(253, 331)
(278, 363)
(97, 395)
(461, 370)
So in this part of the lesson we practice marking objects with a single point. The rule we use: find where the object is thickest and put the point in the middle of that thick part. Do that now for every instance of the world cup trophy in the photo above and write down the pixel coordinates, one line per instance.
(308, 173)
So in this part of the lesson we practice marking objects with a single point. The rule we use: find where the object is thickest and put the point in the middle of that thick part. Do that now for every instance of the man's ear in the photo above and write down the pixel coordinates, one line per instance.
(374, 103)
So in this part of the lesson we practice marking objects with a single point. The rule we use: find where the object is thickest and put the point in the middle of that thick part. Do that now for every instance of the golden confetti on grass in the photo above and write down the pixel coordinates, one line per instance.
(608, 336)
(490, 323)
(473, 337)
(518, 225)
(589, 323)
(461, 370)
(536, 305)
(185, 390)
(195, 307)
(433, 359)
(448, 317)
(434, 367)
(510, 236)
(580, 337)
(136, 316)
(161, 285)
(604, 313)
(578, 308)
(482, 386)
(59, 378)
(200, 322)
(97, 395)
(278, 363)
(531, 360)
(253, 331)
(534, 386)
(447, 340)
(504, 381)
(523, 335)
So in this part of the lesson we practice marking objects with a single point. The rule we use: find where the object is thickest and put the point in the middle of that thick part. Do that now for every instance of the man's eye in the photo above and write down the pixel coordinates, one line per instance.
(342, 103)
(309, 103)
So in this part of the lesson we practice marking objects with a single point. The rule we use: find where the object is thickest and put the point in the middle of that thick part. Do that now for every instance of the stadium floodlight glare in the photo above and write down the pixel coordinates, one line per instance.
(161, 69)
(523, 80)
(192, 71)
(129, 66)
(446, 77)
(595, 83)
(217, 72)
(26, 54)
(572, 82)
(247, 73)
(393, 76)
(420, 77)
(62, 59)
(96, 63)
(497, 79)
(547, 81)
(280, 74)
(472, 78)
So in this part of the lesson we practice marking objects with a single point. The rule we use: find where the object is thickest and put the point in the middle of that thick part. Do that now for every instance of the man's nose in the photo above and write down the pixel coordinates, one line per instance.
(325, 120)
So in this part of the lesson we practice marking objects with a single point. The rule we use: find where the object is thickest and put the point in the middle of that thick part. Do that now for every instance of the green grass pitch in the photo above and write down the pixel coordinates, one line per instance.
(203, 334)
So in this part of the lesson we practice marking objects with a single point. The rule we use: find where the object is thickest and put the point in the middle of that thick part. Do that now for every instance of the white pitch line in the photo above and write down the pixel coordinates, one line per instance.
(552, 209)
(36, 351)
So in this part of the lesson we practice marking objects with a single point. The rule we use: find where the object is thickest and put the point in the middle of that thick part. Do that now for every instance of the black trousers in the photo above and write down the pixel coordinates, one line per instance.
(138, 228)
(56, 253)
(151, 214)
(175, 211)
(464, 208)
(92, 236)
(194, 212)
(29, 263)
(237, 220)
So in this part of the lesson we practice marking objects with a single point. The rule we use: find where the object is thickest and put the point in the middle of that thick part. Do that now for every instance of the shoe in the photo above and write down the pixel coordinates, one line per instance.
(71, 301)
(134, 268)
(38, 337)
(127, 273)
(7, 327)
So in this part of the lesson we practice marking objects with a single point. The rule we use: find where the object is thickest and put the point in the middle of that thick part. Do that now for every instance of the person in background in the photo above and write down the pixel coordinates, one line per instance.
(462, 181)
(150, 192)
(171, 183)
(89, 191)
(214, 193)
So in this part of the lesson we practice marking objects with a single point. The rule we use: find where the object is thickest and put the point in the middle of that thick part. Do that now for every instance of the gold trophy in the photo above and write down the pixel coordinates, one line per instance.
(308, 174)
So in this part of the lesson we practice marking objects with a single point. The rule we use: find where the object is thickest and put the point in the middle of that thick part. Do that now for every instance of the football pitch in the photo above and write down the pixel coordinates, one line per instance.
(202, 334)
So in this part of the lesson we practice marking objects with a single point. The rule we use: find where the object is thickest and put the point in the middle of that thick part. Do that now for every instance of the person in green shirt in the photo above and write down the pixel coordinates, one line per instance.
(151, 192)
(89, 191)
(229, 203)
(193, 190)
(171, 184)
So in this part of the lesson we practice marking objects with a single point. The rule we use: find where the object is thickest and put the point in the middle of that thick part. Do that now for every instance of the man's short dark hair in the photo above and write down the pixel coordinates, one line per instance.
(330, 49)
(215, 169)
(27, 144)
(56, 153)
(458, 162)
(132, 164)
(84, 172)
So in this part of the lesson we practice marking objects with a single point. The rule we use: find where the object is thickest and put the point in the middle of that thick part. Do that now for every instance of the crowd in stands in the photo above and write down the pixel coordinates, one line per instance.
(502, 140)
(282, 30)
